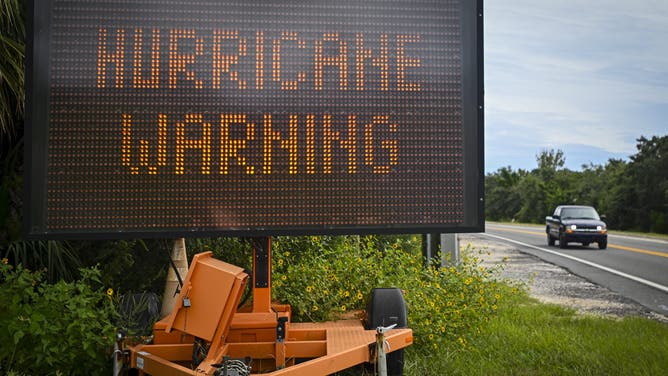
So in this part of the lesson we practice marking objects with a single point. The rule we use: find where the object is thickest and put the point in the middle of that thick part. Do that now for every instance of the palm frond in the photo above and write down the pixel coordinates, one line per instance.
(56, 257)
(12, 55)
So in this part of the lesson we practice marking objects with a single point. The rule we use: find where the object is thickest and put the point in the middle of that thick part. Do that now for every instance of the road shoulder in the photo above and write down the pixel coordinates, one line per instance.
(552, 284)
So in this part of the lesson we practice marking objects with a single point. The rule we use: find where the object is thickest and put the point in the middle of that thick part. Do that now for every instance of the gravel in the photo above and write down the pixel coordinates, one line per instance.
(552, 284)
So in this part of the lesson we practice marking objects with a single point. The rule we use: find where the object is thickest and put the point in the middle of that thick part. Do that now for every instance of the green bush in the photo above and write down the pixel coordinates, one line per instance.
(324, 278)
(60, 328)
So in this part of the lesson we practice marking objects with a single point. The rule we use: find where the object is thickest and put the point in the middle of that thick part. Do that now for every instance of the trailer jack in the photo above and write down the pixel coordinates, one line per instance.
(205, 334)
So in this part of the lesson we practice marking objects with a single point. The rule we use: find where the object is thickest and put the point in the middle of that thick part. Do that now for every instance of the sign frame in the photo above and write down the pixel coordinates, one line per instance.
(38, 104)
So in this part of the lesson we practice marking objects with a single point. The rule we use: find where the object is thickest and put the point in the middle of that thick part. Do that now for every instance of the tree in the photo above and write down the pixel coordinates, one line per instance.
(503, 200)
(549, 161)
(649, 172)
(534, 208)
(633, 195)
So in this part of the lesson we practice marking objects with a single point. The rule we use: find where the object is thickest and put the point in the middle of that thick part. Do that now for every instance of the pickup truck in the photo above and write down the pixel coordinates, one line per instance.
(577, 224)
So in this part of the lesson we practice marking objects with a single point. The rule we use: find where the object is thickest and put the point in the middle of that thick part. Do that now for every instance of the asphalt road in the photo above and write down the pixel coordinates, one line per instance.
(634, 267)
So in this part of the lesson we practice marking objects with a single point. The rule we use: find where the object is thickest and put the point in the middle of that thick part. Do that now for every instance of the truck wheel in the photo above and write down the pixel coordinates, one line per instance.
(562, 241)
(550, 240)
(386, 307)
(603, 244)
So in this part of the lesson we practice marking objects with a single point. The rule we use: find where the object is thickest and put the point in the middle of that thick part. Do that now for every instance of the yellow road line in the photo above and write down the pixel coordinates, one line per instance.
(638, 250)
(620, 247)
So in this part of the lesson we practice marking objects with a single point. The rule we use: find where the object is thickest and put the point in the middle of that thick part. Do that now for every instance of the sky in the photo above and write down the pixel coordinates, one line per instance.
(587, 77)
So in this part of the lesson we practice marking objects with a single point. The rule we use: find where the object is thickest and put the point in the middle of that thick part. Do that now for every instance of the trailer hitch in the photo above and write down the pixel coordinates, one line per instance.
(381, 353)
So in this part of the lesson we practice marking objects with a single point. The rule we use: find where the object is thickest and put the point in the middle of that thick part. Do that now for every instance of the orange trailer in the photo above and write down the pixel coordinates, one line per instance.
(206, 334)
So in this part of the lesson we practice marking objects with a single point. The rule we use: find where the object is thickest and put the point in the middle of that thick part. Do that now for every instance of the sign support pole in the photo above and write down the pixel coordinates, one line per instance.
(450, 246)
(180, 261)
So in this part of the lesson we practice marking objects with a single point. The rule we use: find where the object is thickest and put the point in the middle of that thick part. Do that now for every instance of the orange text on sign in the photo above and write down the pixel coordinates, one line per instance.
(238, 140)
(190, 58)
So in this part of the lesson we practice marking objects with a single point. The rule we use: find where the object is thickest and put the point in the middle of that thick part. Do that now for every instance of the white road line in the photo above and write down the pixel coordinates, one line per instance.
(592, 264)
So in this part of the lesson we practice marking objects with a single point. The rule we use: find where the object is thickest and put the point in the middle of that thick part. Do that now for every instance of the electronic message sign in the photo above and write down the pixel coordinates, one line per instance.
(253, 118)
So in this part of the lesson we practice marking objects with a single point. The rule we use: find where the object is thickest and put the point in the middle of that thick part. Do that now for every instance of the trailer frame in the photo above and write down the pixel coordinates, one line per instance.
(206, 320)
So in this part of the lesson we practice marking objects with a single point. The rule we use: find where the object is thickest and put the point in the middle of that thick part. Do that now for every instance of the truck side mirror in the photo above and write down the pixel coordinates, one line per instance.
(603, 217)
(556, 216)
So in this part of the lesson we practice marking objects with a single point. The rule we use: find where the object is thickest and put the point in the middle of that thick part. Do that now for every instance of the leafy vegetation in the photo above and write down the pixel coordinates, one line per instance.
(633, 195)
(325, 277)
(49, 328)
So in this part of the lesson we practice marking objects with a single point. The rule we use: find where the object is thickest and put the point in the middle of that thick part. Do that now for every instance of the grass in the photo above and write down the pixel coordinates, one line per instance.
(531, 338)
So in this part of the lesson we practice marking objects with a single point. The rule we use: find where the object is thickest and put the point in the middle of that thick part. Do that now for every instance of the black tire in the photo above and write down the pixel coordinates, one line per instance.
(386, 307)
(603, 244)
(562, 241)
(550, 240)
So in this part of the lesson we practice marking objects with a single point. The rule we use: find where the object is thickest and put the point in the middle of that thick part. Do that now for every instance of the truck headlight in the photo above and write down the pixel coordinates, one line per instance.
(574, 227)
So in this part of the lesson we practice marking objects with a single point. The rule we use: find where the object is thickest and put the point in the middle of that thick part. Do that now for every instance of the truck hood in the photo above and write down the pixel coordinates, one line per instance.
(584, 222)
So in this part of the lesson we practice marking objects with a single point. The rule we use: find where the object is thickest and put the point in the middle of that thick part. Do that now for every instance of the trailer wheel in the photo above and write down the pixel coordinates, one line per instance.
(386, 307)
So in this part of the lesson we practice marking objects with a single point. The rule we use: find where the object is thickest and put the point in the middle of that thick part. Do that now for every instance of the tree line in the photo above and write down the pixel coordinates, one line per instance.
(632, 194)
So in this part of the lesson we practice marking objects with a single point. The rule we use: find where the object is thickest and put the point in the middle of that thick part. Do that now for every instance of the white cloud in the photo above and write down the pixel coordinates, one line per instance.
(592, 73)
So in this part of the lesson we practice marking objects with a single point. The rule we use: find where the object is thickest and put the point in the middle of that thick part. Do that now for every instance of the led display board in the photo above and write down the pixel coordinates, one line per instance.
(253, 118)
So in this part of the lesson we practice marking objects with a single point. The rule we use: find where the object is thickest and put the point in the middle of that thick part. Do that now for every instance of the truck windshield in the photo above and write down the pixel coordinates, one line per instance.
(579, 213)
